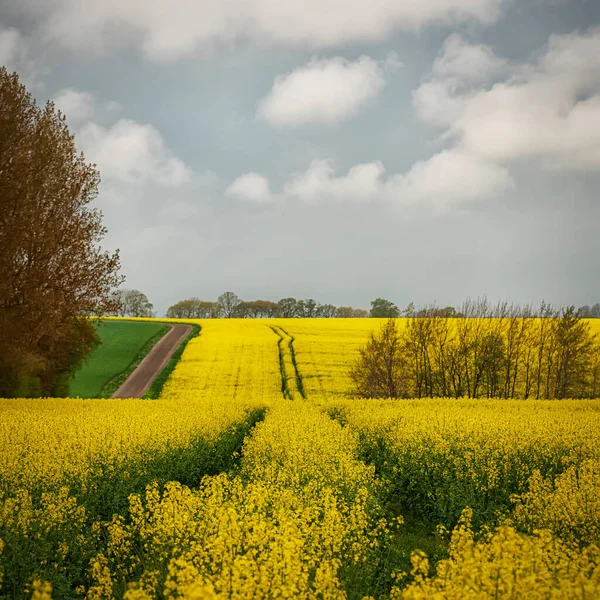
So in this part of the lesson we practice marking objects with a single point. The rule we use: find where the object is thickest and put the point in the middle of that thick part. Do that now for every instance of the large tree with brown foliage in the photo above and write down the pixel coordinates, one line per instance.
(52, 270)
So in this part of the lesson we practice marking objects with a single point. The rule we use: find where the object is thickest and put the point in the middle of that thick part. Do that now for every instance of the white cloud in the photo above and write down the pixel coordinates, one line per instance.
(77, 106)
(392, 61)
(250, 187)
(171, 29)
(548, 109)
(131, 152)
(323, 91)
(435, 103)
(444, 181)
(462, 61)
(362, 183)
(449, 179)
(491, 111)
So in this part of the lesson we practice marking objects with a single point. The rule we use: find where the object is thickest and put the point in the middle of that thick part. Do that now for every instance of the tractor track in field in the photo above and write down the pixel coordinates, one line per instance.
(138, 383)
(291, 380)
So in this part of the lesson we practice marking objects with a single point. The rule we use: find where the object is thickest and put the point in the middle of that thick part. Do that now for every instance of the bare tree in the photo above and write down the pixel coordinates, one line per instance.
(503, 351)
(326, 311)
(287, 308)
(344, 312)
(575, 356)
(381, 370)
(180, 310)
(228, 304)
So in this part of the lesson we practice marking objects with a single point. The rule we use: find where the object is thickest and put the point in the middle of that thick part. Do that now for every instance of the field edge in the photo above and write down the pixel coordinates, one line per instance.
(157, 385)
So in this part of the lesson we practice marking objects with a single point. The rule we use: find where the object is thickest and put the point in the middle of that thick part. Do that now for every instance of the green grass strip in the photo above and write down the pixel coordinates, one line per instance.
(114, 384)
(155, 390)
(123, 344)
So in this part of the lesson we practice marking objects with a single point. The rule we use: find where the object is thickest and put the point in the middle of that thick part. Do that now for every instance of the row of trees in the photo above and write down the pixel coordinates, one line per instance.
(502, 352)
(471, 308)
(229, 305)
(52, 269)
(590, 312)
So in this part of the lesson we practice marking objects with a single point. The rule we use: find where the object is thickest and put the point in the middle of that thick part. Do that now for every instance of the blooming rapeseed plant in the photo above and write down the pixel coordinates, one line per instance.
(569, 505)
(504, 564)
(443, 455)
(298, 519)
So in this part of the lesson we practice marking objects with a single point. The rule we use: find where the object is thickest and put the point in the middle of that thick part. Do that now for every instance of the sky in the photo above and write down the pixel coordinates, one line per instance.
(336, 150)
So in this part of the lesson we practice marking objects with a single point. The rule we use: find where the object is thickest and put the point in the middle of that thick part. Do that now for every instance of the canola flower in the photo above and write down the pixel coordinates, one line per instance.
(443, 455)
(231, 359)
(222, 375)
(41, 590)
(299, 520)
(569, 505)
(48, 442)
(504, 564)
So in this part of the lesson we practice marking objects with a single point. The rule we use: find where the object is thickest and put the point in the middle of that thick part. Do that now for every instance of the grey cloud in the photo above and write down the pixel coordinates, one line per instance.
(10, 45)
(536, 111)
(166, 30)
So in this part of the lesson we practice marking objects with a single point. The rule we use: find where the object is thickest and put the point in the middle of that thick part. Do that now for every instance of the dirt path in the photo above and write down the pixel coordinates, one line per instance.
(137, 384)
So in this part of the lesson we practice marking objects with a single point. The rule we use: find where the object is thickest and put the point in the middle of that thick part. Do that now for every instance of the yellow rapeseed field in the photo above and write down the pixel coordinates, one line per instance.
(440, 455)
(257, 475)
(325, 349)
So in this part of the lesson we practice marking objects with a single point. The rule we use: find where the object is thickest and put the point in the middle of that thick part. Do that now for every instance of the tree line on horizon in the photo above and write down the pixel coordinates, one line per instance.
(133, 303)
(229, 305)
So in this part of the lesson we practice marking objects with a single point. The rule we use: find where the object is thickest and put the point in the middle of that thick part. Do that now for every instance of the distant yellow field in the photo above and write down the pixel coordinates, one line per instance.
(234, 359)
(595, 325)
(325, 350)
